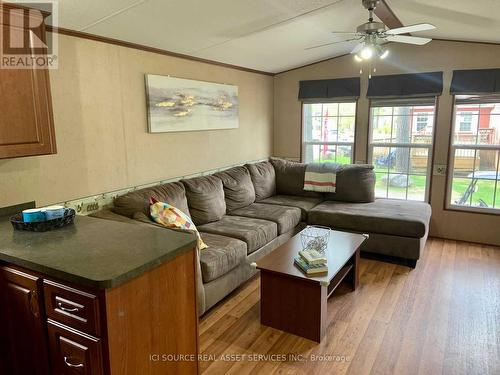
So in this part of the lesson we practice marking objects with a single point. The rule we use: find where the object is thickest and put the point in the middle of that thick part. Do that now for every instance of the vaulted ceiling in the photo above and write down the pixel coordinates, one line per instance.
(267, 35)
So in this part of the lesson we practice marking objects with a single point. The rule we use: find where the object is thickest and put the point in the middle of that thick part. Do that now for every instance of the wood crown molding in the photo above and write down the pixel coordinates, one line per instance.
(142, 47)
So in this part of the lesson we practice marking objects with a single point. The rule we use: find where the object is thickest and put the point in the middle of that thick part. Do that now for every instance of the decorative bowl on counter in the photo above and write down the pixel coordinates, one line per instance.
(42, 226)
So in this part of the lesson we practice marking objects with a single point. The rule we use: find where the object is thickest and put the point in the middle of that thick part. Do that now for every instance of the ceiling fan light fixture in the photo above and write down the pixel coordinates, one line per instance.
(371, 36)
(366, 53)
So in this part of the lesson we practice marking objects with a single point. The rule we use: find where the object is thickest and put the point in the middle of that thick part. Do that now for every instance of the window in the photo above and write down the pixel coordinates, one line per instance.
(400, 147)
(328, 132)
(465, 123)
(422, 119)
(473, 180)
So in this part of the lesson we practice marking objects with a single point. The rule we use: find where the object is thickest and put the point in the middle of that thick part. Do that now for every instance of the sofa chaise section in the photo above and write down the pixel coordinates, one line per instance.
(384, 216)
(396, 227)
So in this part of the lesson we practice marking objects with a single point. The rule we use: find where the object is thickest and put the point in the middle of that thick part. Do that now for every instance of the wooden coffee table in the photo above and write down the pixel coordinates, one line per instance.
(296, 303)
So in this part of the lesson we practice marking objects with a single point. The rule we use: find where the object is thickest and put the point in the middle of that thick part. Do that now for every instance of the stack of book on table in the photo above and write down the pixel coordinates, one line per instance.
(311, 262)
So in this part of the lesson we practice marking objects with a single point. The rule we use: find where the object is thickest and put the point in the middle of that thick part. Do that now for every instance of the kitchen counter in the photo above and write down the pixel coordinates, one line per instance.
(93, 252)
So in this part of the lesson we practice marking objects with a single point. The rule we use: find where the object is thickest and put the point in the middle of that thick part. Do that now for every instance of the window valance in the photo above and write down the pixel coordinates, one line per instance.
(406, 85)
(329, 89)
(477, 81)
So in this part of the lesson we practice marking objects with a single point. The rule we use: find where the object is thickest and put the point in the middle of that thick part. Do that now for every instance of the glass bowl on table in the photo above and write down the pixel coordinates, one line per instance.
(315, 237)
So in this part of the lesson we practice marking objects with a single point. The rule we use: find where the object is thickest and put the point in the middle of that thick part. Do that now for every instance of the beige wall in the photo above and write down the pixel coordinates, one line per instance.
(436, 56)
(101, 126)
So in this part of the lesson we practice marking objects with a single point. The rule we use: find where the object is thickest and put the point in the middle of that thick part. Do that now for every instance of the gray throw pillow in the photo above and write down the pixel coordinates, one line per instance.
(263, 178)
(290, 178)
(138, 201)
(355, 183)
(238, 188)
(205, 196)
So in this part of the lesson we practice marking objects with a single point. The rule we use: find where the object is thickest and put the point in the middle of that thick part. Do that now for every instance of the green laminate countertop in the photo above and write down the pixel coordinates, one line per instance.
(93, 252)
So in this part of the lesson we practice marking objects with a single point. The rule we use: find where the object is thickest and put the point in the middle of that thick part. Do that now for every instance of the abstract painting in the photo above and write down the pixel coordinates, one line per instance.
(178, 105)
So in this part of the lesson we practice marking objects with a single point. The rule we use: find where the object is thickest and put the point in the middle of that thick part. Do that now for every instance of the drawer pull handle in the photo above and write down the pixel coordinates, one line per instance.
(67, 309)
(69, 364)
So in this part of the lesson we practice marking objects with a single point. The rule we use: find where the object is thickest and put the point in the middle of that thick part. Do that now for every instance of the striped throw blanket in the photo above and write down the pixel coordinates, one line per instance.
(321, 177)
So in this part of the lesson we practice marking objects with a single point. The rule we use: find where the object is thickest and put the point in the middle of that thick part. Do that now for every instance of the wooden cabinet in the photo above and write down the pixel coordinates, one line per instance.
(72, 307)
(23, 322)
(26, 121)
(54, 327)
(73, 352)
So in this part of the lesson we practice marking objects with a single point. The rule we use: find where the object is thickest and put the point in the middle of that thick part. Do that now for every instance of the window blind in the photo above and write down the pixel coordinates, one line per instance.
(477, 81)
(406, 85)
(345, 88)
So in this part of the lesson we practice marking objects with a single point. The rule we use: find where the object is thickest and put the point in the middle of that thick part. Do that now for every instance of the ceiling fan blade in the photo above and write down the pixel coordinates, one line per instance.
(408, 39)
(358, 48)
(411, 29)
(329, 44)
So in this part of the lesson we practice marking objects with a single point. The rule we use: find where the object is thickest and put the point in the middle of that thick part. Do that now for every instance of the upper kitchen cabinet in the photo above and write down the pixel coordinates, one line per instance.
(26, 120)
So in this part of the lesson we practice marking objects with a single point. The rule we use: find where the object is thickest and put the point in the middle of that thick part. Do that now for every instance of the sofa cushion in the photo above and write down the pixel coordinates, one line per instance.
(263, 178)
(138, 201)
(205, 197)
(222, 255)
(255, 232)
(238, 187)
(290, 178)
(355, 183)
(285, 217)
(384, 216)
(304, 203)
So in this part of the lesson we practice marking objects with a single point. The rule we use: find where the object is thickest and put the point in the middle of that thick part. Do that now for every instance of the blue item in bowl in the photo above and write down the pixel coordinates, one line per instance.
(33, 215)
(54, 212)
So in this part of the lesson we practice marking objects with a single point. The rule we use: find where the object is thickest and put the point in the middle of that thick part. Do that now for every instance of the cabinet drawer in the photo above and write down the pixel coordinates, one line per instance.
(72, 352)
(75, 308)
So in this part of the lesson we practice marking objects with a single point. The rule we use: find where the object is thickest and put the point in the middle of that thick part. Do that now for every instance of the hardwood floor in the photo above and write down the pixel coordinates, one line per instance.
(441, 317)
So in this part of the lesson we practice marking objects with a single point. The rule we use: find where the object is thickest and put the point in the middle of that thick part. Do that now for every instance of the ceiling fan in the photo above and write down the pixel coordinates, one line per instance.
(373, 34)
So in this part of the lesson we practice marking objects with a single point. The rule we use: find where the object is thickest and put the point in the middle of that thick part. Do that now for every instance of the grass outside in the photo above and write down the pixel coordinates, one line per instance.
(416, 190)
(340, 159)
(484, 189)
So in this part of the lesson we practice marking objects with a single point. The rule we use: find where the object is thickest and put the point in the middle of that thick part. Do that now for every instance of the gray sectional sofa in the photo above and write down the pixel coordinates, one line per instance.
(245, 212)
